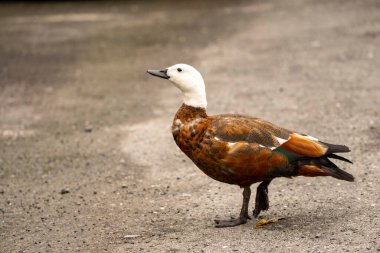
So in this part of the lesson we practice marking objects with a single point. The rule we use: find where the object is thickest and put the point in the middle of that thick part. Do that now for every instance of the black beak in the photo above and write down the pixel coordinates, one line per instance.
(159, 73)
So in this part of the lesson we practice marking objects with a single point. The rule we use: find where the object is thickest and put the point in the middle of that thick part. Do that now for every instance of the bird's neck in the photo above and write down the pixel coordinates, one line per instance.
(195, 97)
(187, 113)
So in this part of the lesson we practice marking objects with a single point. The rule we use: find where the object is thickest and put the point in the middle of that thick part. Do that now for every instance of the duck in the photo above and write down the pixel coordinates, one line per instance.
(243, 150)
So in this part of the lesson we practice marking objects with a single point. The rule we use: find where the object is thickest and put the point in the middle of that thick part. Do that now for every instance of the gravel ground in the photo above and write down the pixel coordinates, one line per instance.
(87, 160)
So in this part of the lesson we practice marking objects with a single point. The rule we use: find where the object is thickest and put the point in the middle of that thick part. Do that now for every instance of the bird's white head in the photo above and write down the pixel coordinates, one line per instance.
(188, 80)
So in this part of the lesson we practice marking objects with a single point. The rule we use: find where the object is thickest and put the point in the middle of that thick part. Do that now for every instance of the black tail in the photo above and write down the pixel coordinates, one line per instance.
(338, 173)
(322, 166)
(334, 148)
(335, 171)
(334, 156)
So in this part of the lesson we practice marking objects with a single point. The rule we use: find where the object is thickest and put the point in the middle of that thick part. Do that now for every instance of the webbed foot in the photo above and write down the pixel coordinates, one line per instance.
(243, 213)
(231, 222)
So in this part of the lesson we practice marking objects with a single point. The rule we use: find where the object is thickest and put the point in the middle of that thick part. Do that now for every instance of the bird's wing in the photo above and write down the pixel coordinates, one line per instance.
(252, 149)
(237, 128)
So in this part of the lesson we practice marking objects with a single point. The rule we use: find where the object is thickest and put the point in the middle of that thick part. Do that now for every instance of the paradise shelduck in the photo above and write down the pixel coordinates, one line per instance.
(243, 150)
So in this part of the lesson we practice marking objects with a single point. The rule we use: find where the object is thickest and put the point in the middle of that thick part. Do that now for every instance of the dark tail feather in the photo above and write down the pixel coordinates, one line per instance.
(335, 171)
(334, 148)
(322, 166)
(338, 173)
(334, 156)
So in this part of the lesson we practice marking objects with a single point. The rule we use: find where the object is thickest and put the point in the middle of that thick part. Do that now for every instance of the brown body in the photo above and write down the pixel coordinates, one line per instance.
(243, 150)
(238, 150)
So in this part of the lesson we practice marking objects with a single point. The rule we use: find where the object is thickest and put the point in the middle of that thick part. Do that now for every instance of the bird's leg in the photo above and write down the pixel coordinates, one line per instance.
(262, 201)
(243, 213)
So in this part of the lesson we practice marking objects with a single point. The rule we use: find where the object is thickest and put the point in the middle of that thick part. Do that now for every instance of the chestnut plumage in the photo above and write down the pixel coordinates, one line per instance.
(242, 150)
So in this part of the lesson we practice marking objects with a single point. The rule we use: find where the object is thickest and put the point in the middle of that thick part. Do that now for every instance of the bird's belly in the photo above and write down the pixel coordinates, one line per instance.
(240, 163)
(231, 174)
(217, 163)
(215, 170)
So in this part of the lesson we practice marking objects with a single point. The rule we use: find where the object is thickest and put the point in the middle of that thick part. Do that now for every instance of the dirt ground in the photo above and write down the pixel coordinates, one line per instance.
(87, 160)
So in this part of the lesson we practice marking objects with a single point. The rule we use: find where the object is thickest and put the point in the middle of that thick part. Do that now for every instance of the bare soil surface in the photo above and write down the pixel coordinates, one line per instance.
(87, 160)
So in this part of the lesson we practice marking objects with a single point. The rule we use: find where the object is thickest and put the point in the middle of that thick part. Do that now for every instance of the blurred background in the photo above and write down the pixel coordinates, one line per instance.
(87, 160)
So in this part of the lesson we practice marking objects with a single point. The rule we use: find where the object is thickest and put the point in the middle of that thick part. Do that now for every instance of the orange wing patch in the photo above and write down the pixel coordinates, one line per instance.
(310, 171)
(304, 146)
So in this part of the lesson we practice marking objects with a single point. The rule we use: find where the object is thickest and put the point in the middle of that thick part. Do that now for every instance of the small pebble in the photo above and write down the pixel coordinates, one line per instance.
(65, 191)
(88, 129)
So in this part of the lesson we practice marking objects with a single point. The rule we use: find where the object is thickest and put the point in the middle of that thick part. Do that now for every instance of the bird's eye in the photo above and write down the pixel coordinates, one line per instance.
(179, 69)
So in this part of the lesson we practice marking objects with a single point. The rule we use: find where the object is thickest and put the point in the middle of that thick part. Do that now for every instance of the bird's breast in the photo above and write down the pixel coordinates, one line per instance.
(196, 140)
(189, 135)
